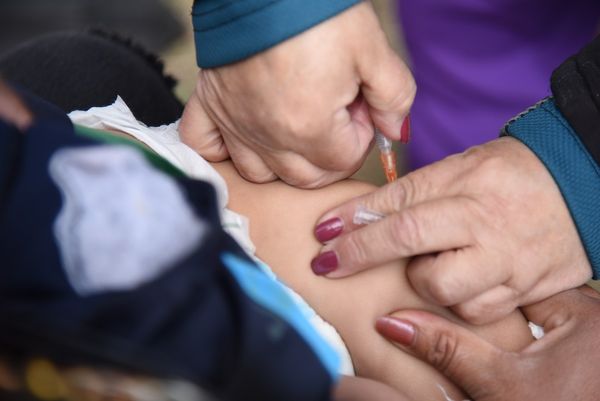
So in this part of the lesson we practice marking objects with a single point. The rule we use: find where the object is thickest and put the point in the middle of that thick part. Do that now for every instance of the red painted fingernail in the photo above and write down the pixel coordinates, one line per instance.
(324, 263)
(405, 130)
(396, 330)
(329, 229)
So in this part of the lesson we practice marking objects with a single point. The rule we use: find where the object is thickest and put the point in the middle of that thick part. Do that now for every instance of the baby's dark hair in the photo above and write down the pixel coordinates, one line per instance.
(79, 70)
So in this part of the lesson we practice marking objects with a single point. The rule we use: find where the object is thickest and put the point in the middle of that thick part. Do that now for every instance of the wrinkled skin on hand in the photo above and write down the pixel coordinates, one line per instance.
(488, 229)
(303, 110)
(561, 366)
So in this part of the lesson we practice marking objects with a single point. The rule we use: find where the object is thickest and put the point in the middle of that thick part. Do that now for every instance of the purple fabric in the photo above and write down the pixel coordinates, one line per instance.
(477, 63)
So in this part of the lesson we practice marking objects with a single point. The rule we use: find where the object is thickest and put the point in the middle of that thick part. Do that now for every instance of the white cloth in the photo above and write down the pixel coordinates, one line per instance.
(165, 141)
(95, 229)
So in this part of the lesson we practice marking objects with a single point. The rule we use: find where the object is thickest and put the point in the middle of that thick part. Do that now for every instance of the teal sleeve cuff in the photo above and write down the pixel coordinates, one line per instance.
(227, 31)
(545, 131)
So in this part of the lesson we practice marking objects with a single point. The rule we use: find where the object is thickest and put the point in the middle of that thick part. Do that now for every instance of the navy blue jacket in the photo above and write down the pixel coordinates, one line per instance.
(212, 317)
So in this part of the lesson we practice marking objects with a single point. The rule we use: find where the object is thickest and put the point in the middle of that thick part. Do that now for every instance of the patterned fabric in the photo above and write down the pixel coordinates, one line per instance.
(545, 131)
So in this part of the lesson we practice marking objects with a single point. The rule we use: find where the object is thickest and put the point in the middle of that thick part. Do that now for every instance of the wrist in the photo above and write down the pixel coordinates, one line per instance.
(544, 130)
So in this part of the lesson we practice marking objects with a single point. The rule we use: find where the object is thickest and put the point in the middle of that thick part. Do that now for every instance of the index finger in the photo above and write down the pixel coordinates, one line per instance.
(441, 179)
(427, 227)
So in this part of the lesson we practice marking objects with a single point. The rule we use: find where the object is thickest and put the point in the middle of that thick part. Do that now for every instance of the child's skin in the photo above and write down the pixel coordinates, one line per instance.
(282, 219)
(281, 223)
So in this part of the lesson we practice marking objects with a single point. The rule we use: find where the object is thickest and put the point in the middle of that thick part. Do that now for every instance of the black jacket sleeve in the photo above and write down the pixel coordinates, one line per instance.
(576, 90)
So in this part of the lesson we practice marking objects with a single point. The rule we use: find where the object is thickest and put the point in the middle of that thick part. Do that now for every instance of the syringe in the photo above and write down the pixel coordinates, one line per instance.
(387, 156)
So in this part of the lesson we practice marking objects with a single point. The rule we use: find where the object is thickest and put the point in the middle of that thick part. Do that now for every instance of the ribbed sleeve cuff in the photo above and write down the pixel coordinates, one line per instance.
(545, 131)
(230, 31)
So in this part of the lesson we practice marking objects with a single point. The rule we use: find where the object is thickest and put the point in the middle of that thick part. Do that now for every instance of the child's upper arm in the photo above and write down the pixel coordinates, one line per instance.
(282, 219)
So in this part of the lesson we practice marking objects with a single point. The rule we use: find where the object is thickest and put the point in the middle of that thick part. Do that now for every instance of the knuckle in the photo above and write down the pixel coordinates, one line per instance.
(492, 165)
(472, 312)
(475, 154)
(210, 145)
(279, 120)
(390, 198)
(400, 193)
(492, 211)
(255, 175)
(402, 100)
(214, 153)
(406, 232)
(443, 350)
(303, 181)
(411, 90)
(441, 290)
(405, 191)
(291, 125)
(292, 173)
(491, 173)
(299, 127)
(301, 175)
(352, 251)
(400, 95)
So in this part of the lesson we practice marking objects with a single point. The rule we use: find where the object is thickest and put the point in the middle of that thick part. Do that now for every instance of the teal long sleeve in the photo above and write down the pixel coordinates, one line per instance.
(227, 31)
(548, 134)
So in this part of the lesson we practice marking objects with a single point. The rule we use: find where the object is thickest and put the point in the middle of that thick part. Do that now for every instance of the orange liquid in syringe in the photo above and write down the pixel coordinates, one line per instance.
(388, 162)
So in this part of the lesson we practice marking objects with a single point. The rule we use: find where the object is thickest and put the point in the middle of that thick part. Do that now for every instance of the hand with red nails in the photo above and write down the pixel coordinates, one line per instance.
(304, 110)
(488, 231)
(561, 366)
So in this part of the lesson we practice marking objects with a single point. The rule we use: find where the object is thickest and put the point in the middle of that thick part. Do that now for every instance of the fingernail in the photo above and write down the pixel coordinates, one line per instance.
(396, 330)
(405, 130)
(329, 229)
(324, 263)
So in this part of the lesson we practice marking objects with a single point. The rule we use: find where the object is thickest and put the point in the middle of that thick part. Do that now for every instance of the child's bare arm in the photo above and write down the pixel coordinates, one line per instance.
(282, 219)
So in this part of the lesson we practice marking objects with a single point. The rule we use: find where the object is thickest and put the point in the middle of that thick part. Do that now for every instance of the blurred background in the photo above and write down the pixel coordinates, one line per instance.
(161, 26)
(164, 27)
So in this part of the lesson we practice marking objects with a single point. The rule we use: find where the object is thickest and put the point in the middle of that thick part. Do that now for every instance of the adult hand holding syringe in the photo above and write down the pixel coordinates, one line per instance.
(303, 110)
(476, 226)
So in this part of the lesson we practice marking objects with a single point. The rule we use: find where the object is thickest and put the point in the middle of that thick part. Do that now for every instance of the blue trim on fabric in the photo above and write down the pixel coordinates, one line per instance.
(271, 295)
(227, 32)
(546, 132)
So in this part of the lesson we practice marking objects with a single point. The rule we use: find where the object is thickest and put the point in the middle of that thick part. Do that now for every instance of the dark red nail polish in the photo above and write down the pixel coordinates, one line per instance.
(324, 263)
(329, 229)
(405, 130)
(396, 330)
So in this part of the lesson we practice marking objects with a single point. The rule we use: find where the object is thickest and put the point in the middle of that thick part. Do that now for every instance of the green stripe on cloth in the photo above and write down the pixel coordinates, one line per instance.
(106, 137)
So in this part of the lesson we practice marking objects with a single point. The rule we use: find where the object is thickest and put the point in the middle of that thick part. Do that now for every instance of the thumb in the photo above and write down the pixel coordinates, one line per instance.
(477, 366)
(199, 132)
(389, 89)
